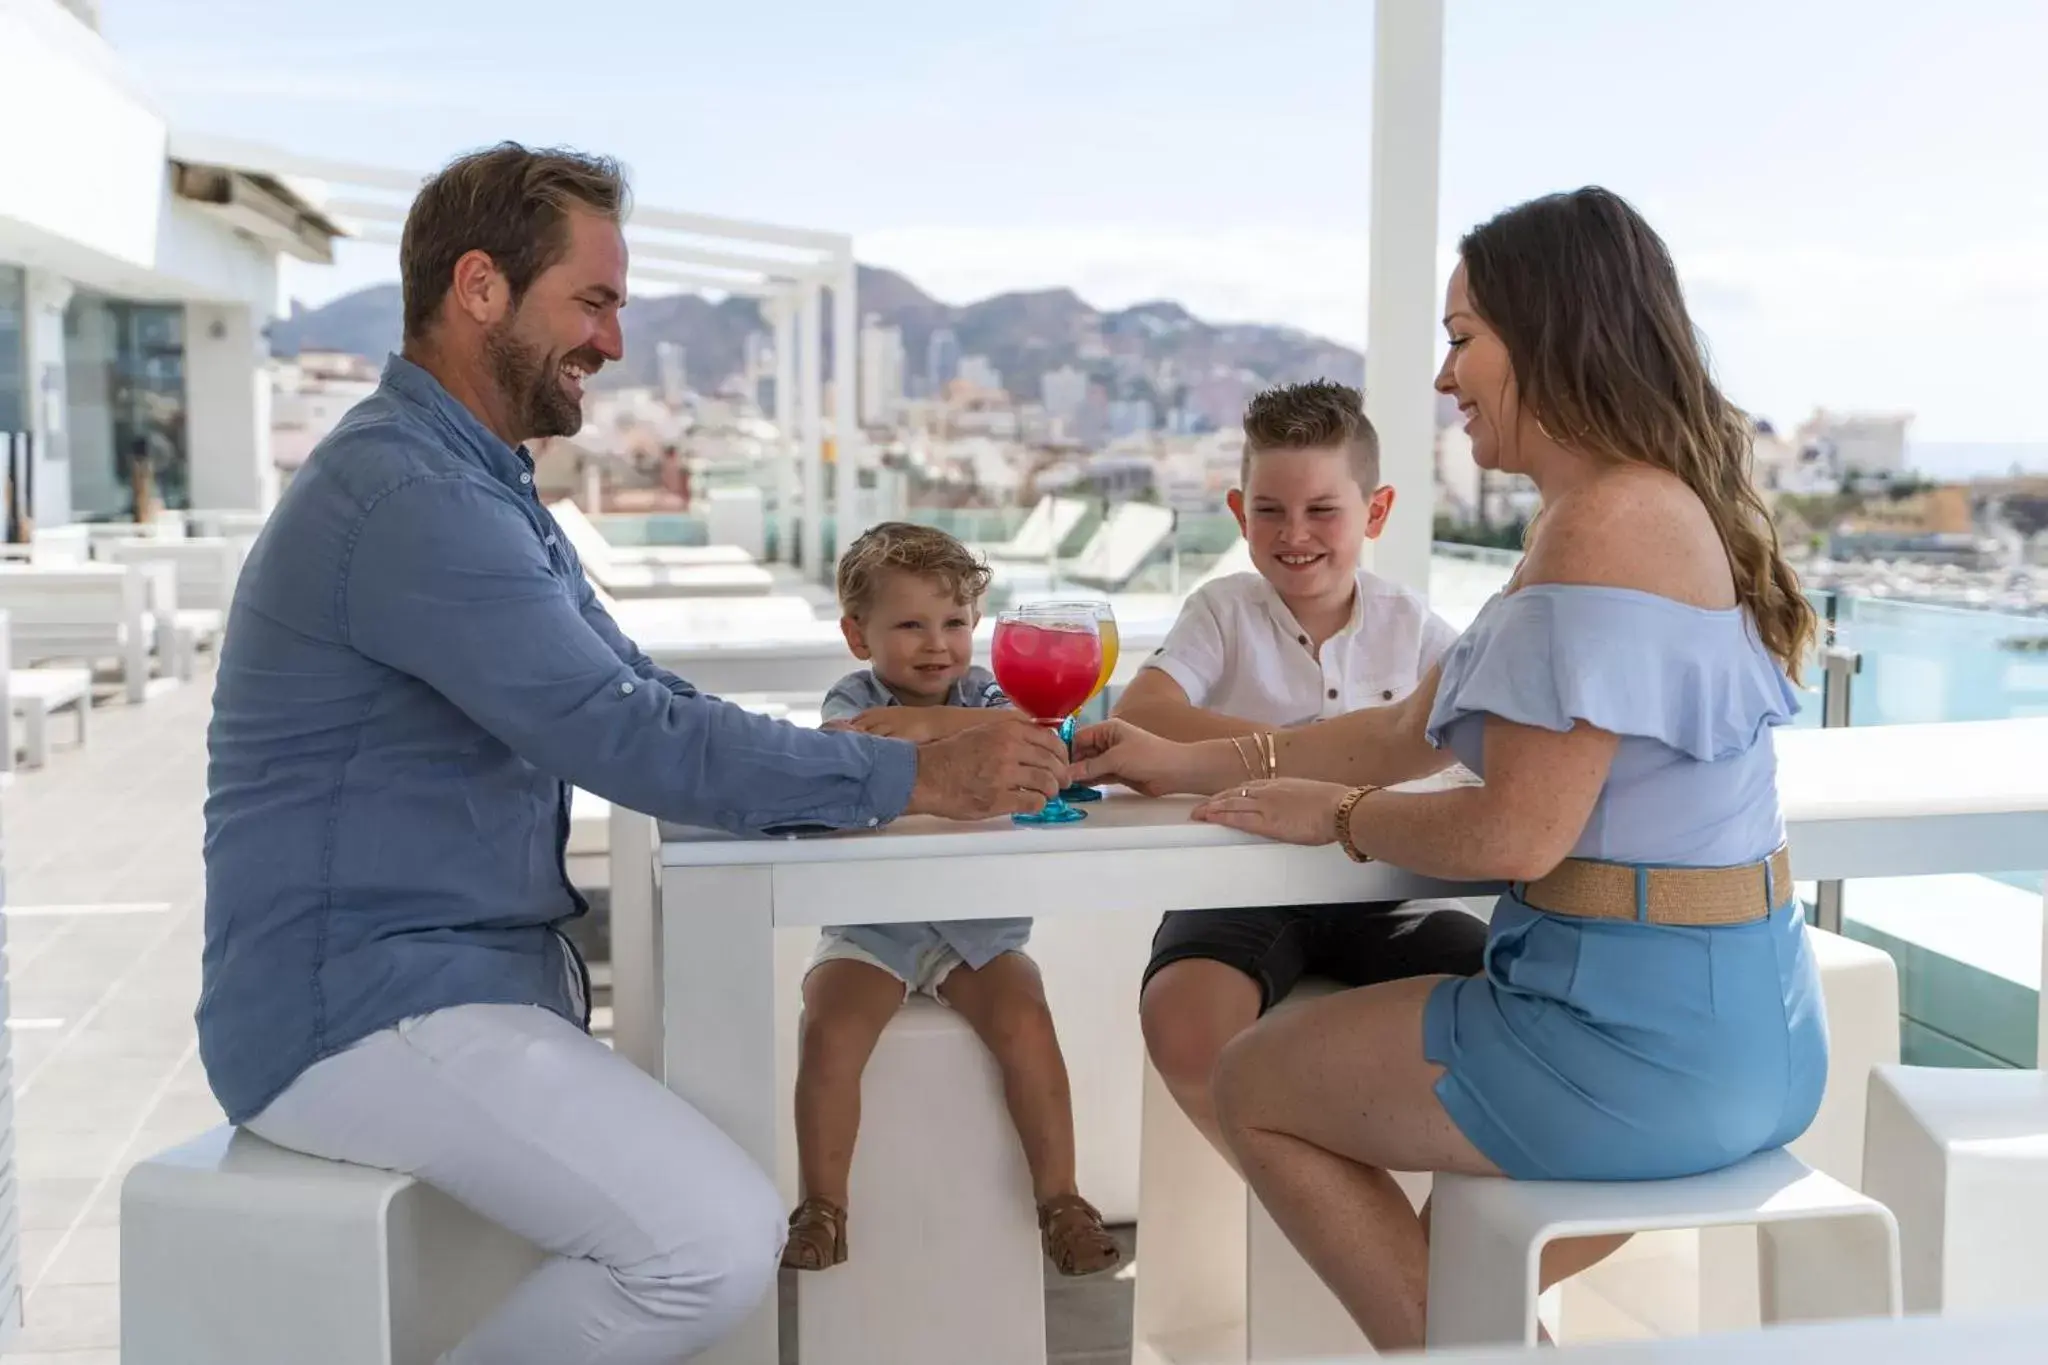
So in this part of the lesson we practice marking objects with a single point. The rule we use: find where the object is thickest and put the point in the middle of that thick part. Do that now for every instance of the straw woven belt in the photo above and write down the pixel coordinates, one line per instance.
(1664, 895)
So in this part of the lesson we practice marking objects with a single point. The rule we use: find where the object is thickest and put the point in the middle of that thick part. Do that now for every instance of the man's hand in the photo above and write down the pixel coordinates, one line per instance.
(1009, 765)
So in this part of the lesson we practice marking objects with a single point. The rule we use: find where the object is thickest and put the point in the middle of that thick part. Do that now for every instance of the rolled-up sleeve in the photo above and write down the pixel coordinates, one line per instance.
(621, 644)
(447, 582)
(1192, 653)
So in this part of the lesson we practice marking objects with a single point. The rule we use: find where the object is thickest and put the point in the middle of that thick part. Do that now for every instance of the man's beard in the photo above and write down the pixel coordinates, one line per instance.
(531, 385)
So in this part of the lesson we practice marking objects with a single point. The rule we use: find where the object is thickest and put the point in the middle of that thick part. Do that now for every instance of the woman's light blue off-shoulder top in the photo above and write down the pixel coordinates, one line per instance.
(1691, 691)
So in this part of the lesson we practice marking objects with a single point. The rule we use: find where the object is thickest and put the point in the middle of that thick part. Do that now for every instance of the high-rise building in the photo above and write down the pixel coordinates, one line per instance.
(941, 361)
(1064, 392)
(881, 372)
(674, 374)
(1130, 417)
(977, 372)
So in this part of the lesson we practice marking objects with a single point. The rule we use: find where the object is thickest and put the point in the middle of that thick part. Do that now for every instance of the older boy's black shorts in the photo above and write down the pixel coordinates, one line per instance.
(1357, 945)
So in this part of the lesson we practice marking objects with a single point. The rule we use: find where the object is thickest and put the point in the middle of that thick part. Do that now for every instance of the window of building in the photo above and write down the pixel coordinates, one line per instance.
(125, 383)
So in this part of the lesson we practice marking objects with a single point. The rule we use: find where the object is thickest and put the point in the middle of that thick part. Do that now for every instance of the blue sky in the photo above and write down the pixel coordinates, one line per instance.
(1856, 192)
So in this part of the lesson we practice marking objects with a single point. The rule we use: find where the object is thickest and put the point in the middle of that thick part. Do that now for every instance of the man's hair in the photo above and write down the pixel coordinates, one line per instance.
(1318, 415)
(510, 202)
(905, 547)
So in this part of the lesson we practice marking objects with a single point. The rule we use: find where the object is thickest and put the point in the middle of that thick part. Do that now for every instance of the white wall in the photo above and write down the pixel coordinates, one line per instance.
(84, 183)
(81, 153)
(47, 378)
(227, 408)
(86, 200)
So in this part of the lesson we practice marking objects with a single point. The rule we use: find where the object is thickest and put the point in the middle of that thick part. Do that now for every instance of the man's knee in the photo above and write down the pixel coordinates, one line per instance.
(717, 1269)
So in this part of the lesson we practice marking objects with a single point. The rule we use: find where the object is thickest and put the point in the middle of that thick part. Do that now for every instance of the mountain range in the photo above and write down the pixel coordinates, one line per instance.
(1023, 335)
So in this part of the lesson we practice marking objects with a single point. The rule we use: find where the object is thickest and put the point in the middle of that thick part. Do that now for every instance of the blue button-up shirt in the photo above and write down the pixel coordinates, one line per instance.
(414, 674)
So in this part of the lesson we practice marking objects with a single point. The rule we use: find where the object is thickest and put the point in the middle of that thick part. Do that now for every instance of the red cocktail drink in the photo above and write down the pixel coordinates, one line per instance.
(1048, 671)
(1047, 662)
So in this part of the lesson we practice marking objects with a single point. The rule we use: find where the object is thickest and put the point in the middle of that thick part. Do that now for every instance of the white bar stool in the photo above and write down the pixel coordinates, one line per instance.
(1217, 1279)
(237, 1252)
(942, 1233)
(1962, 1158)
(1825, 1251)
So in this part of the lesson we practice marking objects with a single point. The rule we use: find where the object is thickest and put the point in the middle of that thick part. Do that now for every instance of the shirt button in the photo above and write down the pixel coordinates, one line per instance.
(625, 689)
(1333, 694)
(874, 820)
(1387, 695)
(525, 478)
(1303, 639)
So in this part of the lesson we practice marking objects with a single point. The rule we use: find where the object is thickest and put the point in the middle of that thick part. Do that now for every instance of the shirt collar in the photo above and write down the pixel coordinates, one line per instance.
(1280, 612)
(413, 383)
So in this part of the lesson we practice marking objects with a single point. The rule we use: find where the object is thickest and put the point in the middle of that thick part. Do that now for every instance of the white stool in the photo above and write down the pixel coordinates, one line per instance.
(942, 1233)
(236, 1252)
(1860, 992)
(1217, 1279)
(1962, 1158)
(1826, 1251)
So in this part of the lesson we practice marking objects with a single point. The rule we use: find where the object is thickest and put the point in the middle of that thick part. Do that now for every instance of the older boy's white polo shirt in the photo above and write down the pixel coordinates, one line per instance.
(1237, 649)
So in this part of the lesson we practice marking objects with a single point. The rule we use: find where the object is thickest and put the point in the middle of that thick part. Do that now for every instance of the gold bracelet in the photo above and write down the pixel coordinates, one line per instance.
(1270, 748)
(1244, 758)
(1344, 809)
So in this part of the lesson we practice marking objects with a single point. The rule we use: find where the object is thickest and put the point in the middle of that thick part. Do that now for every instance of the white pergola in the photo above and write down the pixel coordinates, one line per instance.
(790, 269)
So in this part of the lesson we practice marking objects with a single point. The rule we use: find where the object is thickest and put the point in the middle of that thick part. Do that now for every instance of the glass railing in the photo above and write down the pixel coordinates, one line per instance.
(1967, 945)
(652, 528)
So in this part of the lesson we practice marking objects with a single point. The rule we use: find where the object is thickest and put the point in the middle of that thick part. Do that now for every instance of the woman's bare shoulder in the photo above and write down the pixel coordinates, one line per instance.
(1633, 527)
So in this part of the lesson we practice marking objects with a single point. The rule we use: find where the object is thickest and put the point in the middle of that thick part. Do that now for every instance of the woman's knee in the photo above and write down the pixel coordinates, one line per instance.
(1242, 1084)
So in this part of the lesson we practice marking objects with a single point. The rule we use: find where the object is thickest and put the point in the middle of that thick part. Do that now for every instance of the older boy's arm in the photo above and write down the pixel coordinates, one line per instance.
(1155, 702)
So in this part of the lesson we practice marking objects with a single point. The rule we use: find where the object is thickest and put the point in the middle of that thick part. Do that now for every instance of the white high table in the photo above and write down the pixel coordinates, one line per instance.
(1875, 801)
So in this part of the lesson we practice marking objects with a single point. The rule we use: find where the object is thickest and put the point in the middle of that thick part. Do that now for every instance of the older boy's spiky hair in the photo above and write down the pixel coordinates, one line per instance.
(1318, 415)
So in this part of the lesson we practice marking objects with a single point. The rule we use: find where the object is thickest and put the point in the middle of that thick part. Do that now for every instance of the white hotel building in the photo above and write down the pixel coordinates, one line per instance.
(136, 277)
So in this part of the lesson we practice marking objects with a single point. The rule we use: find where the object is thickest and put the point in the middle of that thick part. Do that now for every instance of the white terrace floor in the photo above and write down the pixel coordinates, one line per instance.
(104, 902)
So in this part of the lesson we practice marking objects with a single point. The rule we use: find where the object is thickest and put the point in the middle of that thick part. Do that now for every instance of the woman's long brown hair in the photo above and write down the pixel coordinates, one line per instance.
(1586, 299)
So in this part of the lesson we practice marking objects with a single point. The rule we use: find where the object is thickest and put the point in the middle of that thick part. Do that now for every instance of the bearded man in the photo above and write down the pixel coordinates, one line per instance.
(415, 673)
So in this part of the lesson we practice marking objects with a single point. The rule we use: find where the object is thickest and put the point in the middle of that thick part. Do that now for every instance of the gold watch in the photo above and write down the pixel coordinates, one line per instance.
(1344, 809)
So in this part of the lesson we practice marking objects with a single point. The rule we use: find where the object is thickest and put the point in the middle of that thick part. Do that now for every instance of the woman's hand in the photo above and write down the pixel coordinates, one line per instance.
(1118, 751)
(1293, 810)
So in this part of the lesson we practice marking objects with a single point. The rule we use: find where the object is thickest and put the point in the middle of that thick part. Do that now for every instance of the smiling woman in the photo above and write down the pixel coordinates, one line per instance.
(1647, 1005)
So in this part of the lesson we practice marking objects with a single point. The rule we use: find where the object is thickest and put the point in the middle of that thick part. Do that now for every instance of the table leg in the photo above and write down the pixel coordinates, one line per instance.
(718, 1032)
(2041, 1016)
(635, 939)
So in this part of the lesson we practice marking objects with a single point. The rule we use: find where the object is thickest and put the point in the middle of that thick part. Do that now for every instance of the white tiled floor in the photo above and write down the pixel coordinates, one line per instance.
(103, 890)
(104, 898)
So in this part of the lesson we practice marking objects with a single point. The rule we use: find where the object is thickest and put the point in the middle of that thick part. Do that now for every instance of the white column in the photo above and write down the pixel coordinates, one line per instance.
(846, 405)
(227, 408)
(782, 312)
(809, 401)
(48, 395)
(1405, 306)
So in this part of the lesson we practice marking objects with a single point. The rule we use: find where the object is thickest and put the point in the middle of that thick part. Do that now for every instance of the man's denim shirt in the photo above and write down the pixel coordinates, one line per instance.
(414, 674)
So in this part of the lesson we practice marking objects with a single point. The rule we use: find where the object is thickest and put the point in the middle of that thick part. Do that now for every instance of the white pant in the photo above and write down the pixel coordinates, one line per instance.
(665, 1235)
